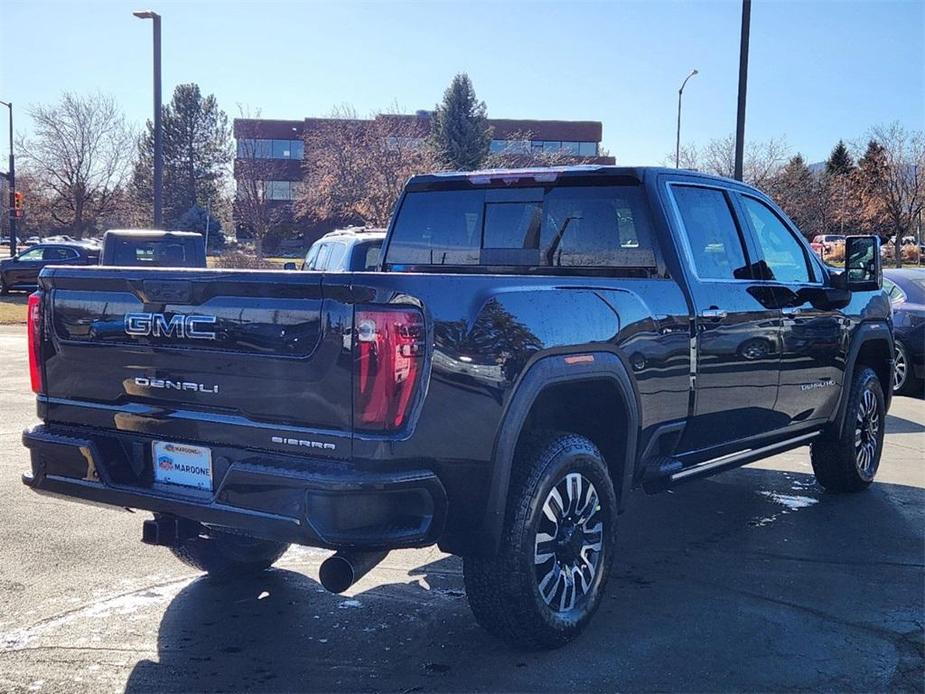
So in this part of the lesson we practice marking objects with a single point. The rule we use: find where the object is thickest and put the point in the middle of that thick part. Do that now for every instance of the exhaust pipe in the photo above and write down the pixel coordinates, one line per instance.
(342, 570)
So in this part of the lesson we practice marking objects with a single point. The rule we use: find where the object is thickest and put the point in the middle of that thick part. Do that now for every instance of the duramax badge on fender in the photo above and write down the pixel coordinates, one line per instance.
(532, 346)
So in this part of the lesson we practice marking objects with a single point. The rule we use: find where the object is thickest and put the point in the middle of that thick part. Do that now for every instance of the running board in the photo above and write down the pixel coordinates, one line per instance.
(672, 473)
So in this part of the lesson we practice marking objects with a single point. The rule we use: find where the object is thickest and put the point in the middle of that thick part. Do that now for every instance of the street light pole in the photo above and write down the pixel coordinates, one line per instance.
(11, 177)
(743, 84)
(158, 127)
(677, 146)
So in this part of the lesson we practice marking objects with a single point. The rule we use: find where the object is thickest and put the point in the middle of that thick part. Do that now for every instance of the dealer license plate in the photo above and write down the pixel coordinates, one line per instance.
(182, 464)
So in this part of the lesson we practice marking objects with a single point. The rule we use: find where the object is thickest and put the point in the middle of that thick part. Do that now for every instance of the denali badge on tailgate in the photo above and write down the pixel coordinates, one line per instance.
(158, 325)
(167, 384)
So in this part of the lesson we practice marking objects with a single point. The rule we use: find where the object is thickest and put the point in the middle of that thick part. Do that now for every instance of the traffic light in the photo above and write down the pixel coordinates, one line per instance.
(17, 204)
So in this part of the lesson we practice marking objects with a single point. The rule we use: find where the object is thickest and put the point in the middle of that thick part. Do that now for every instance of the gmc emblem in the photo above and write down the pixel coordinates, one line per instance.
(158, 325)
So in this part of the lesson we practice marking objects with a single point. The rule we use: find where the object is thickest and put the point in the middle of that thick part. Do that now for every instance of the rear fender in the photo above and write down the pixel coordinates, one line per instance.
(549, 371)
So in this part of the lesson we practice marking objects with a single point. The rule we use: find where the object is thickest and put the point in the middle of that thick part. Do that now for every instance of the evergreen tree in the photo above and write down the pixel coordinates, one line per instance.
(197, 152)
(839, 162)
(461, 134)
(201, 221)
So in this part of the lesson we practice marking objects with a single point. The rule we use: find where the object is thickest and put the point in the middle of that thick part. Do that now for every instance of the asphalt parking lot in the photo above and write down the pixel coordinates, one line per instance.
(753, 580)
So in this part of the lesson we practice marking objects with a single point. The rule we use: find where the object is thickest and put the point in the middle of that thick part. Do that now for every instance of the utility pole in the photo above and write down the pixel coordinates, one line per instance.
(158, 127)
(11, 178)
(743, 83)
(677, 146)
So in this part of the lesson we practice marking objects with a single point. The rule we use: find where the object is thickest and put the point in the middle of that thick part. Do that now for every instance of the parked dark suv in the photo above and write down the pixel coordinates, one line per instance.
(149, 248)
(22, 271)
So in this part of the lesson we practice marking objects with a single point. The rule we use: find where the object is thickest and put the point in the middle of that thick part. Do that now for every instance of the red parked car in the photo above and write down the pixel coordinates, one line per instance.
(824, 244)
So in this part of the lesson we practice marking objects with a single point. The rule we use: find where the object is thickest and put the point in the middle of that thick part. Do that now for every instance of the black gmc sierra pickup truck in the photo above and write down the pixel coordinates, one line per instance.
(534, 345)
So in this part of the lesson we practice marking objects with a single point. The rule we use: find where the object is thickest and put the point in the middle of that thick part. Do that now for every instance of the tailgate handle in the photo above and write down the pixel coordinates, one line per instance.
(167, 291)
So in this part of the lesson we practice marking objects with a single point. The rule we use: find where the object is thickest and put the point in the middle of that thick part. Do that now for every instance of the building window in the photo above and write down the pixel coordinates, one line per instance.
(282, 149)
(575, 149)
(510, 146)
(262, 149)
(257, 148)
(396, 143)
(280, 190)
(587, 149)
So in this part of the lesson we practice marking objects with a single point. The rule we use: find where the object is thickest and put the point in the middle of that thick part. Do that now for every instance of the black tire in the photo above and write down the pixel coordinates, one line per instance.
(504, 590)
(225, 556)
(904, 380)
(4, 289)
(849, 463)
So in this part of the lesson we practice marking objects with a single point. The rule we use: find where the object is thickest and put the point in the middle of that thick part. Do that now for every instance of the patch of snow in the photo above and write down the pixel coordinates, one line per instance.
(125, 604)
(791, 501)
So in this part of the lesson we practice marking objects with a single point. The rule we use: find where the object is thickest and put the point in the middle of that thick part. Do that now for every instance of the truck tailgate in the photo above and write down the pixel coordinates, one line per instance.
(174, 353)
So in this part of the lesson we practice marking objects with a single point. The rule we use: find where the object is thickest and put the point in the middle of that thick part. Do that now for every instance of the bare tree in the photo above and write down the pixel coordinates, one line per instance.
(763, 159)
(355, 169)
(902, 187)
(78, 156)
(255, 206)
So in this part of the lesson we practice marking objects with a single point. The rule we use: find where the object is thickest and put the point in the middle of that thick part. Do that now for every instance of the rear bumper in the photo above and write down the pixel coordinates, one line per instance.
(284, 498)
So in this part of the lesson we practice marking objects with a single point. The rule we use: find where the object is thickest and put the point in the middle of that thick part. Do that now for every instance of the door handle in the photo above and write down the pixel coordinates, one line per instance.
(791, 310)
(713, 314)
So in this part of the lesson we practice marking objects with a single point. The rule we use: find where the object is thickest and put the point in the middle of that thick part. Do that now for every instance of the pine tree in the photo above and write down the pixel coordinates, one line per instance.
(839, 162)
(461, 134)
(197, 151)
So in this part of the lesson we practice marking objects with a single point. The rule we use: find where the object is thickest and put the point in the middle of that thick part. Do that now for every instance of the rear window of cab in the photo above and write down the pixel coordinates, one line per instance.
(601, 226)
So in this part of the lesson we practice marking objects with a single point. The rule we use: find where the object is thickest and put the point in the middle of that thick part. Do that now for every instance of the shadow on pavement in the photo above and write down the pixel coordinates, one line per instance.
(753, 580)
(901, 425)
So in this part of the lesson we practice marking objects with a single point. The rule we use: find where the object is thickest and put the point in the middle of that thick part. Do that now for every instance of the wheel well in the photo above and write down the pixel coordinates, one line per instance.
(594, 409)
(876, 354)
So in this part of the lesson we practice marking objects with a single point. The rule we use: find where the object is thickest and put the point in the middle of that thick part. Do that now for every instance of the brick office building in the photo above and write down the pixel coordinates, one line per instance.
(279, 145)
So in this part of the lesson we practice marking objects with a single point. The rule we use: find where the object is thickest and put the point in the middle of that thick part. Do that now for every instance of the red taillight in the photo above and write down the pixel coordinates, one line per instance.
(34, 313)
(389, 353)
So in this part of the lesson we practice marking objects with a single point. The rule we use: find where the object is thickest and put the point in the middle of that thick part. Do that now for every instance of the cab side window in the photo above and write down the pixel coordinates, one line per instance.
(334, 262)
(716, 245)
(310, 257)
(321, 261)
(53, 254)
(784, 257)
(893, 291)
(33, 255)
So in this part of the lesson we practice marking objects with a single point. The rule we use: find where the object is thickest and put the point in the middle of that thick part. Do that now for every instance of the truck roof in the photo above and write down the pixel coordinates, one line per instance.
(152, 233)
(553, 173)
(367, 232)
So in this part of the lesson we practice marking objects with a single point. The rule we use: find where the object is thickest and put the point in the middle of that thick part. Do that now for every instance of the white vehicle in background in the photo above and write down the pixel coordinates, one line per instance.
(354, 249)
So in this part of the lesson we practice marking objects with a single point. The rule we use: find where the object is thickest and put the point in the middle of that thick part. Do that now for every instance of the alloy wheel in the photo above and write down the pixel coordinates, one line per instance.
(569, 543)
(900, 368)
(866, 435)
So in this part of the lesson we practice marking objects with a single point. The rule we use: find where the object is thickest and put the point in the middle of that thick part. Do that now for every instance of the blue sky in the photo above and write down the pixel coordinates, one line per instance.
(818, 70)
